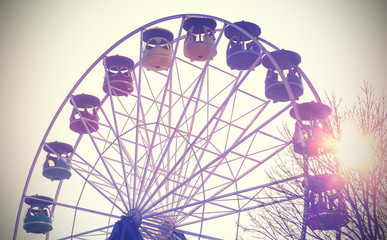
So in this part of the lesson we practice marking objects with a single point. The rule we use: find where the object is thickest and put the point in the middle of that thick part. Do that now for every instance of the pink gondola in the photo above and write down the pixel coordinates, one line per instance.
(87, 107)
(200, 40)
(118, 70)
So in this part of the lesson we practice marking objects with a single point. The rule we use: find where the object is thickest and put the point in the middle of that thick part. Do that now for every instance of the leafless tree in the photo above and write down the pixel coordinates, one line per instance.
(364, 192)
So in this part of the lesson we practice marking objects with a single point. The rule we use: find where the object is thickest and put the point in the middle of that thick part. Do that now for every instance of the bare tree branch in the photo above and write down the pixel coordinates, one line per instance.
(364, 193)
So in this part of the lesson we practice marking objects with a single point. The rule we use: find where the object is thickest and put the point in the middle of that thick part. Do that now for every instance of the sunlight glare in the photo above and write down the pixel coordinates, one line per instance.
(354, 150)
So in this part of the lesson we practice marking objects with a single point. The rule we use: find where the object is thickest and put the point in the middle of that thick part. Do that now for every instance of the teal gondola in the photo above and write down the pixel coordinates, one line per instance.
(38, 217)
(57, 165)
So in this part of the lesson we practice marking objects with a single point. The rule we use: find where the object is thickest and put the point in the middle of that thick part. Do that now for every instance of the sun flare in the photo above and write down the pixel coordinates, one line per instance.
(354, 149)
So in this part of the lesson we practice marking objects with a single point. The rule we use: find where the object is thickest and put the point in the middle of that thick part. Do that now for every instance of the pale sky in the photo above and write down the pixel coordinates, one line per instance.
(46, 46)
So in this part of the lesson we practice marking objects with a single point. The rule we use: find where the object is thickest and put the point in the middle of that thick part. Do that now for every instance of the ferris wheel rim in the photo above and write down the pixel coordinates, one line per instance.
(69, 96)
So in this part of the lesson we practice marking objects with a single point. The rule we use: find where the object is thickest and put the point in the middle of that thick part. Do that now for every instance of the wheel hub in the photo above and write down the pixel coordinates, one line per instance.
(135, 215)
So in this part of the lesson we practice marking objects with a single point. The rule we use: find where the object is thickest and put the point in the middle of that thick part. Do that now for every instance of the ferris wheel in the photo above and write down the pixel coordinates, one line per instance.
(167, 135)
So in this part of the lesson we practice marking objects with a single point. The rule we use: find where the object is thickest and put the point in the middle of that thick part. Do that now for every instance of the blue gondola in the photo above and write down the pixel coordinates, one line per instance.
(318, 139)
(242, 52)
(327, 209)
(275, 88)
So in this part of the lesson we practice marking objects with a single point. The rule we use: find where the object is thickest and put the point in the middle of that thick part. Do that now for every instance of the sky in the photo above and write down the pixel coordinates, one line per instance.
(45, 46)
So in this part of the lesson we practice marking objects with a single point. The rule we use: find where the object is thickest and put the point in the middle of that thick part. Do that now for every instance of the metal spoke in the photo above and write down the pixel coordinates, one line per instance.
(184, 147)
(98, 151)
